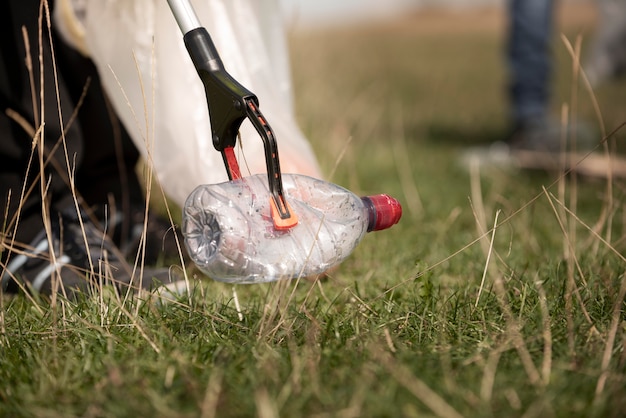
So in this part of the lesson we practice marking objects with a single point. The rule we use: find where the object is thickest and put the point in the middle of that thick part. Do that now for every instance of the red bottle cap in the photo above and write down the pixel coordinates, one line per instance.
(384, 210)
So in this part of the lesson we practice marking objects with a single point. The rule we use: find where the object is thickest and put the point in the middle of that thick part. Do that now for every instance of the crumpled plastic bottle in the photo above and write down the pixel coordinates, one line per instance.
(230, 235)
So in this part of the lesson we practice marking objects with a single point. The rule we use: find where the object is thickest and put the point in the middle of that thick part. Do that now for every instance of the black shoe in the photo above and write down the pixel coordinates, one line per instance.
(127, 229)
(549, 136)
(72, 258)
(534, 144)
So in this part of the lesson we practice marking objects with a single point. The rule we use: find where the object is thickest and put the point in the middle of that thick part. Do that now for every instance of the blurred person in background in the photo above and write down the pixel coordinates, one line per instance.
(529, 65)
(607, 58)
(529, 62)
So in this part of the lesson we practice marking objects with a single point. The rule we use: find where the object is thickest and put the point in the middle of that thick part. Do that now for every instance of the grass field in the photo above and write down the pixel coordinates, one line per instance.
(500, 292)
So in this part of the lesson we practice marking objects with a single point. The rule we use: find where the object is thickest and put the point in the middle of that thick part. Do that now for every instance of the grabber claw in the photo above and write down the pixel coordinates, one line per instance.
(229, 105)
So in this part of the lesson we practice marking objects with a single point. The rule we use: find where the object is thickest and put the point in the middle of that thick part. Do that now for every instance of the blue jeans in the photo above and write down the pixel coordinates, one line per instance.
(529, 58)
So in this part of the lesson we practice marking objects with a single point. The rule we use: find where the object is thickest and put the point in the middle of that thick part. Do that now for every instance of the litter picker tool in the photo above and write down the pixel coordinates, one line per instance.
(229, 105)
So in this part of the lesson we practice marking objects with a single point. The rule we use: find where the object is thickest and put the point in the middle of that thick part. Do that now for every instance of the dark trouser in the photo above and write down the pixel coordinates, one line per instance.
(101, 155)
(529, 57)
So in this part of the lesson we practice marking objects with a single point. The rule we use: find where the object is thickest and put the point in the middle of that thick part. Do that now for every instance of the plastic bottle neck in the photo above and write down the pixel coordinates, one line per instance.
(383, 210)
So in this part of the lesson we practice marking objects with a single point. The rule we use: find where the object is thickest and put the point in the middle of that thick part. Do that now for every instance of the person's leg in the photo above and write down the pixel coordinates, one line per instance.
(20, 100)
(529, 59)
(607, 58)
(72, 248)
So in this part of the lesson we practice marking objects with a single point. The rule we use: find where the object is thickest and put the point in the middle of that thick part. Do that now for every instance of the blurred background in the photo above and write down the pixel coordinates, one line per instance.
(307, 13)
(432, 72)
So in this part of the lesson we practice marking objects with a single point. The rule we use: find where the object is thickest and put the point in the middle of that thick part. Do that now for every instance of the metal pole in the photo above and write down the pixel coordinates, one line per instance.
(184, 14)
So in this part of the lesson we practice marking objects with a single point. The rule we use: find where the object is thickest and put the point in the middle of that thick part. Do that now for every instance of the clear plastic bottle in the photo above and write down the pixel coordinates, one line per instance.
(230, 235)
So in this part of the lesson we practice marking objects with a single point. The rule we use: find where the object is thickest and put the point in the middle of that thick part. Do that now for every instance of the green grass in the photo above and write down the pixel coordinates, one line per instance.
(406, 326)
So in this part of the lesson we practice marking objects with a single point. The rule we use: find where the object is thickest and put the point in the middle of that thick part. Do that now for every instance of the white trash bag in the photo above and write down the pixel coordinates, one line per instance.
(157, 93)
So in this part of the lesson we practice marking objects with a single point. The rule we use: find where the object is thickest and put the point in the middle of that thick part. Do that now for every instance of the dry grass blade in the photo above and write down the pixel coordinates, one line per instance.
(493, 237)
(594, 233)
(571, 287)
(546, 365)
(265, 405)
(616, 319)
(237, 304)
(513, 329)
(416, 386)
(340, 158)
(403, 165)
(580, 72)
(477, 205)
(210, 403)
(489, 373)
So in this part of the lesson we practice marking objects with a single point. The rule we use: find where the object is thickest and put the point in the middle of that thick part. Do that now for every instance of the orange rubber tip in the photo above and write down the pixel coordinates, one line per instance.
(279, 222)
